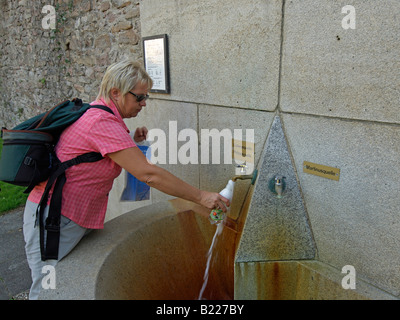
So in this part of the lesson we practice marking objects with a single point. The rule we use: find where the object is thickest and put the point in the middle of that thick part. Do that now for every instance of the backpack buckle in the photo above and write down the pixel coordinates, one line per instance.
(28, 161)
(78, 103)
(52, 224)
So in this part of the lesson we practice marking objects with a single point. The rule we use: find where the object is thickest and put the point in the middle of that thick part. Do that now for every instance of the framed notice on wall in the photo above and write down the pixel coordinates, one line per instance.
(155, 52)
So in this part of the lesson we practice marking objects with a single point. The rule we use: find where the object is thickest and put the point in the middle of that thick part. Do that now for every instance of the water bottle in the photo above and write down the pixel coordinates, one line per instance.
(217, 215)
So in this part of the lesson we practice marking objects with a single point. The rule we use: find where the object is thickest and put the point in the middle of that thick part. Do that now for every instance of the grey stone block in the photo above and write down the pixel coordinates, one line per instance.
(354, 220)
(331, 71)
(276, 228)
(220, 54)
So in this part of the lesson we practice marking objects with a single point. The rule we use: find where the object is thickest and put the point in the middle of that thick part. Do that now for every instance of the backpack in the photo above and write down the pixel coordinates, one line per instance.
(28, 158)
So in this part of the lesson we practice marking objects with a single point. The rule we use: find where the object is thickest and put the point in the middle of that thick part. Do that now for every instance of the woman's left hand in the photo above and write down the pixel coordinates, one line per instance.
(140, 134)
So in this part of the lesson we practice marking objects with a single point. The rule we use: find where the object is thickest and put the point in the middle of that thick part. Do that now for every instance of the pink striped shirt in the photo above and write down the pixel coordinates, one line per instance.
(85, 194)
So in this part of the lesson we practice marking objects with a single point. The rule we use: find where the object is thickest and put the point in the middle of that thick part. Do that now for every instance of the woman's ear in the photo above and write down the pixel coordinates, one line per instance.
(115, 94)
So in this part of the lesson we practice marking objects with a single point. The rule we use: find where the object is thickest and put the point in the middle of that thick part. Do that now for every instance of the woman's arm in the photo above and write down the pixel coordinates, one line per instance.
(134, 161)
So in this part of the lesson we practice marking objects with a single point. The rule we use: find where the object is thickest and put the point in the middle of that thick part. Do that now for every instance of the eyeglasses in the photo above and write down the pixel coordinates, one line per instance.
(140, 97)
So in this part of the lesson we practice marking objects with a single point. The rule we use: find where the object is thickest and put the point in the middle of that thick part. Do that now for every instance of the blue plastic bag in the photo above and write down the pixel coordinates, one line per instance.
(136, 190)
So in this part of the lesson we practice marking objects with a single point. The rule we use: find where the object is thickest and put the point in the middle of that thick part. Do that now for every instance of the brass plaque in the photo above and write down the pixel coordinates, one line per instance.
(243, 151)
(321, 170)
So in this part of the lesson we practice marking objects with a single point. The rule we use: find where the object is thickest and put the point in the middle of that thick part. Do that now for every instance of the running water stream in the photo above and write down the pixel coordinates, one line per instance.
(220, 226)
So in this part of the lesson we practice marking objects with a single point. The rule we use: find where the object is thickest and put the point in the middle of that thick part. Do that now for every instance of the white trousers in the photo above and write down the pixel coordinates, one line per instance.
(70, 235)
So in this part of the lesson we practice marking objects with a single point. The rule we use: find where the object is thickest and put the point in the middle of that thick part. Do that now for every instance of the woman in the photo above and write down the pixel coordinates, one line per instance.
(124, 89)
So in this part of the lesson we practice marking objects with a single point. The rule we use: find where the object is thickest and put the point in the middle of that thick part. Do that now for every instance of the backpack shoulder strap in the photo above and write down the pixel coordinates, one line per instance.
(102, 107)
(52, 223)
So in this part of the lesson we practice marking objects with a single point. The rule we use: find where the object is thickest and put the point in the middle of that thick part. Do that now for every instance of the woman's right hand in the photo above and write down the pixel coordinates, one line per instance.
(213, 200)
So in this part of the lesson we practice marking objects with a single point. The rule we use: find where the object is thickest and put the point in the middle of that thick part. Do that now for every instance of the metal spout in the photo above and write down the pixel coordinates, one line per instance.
(243, 177)
(277, 185)
(253, 177)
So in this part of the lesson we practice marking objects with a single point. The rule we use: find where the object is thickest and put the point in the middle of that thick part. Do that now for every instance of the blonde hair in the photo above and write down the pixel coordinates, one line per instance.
(124, 76)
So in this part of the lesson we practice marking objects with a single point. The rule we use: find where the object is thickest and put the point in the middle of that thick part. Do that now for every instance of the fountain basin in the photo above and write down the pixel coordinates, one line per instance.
(159, 252)
(154, 252)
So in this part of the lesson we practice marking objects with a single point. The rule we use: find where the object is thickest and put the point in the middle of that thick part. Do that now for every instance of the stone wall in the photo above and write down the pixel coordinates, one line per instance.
(335, 90)
(39, 67)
